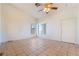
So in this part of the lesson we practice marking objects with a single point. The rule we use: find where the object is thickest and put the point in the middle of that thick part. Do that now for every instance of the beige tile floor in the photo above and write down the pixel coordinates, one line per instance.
(39, 47)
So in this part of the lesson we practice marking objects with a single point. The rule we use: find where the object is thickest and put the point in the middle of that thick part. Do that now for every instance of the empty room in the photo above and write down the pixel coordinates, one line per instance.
(39, 29)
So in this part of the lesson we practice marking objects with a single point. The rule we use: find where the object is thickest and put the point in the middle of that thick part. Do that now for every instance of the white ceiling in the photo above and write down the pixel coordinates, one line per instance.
(32, 10)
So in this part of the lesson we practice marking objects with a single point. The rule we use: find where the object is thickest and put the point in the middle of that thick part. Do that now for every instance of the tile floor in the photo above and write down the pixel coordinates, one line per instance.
(39, 47)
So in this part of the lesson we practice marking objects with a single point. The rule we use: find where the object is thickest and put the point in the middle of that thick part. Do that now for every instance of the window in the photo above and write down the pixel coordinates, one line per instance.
(42, 29)
(39, 29)
(33, 28)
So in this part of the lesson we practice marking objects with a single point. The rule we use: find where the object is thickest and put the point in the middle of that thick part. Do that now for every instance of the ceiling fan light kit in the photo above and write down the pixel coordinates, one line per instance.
(47, 7)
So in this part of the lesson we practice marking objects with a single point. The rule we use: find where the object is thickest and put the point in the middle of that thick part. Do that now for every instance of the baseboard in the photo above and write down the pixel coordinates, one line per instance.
(18, 39)
(60, 41)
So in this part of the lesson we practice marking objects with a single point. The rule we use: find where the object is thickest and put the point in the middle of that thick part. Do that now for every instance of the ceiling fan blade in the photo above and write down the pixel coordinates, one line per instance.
(54, 8)
(37, 4)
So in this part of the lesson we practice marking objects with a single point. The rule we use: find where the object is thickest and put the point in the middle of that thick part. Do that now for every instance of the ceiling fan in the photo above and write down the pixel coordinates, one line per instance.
(46, 6)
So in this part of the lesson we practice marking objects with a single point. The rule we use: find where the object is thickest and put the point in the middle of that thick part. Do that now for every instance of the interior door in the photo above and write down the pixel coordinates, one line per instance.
(68, 30)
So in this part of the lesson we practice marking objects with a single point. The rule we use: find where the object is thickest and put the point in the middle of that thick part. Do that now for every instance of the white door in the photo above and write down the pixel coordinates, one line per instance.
(68, 31)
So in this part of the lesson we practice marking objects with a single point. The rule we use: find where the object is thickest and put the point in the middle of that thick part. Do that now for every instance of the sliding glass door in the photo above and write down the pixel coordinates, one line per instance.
(38, 29)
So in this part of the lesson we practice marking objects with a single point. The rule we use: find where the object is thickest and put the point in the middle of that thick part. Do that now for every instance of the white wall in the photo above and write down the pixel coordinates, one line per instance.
(77, 23)
(0, 25)
(64, 16)
(18, 23)
(51, 29)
